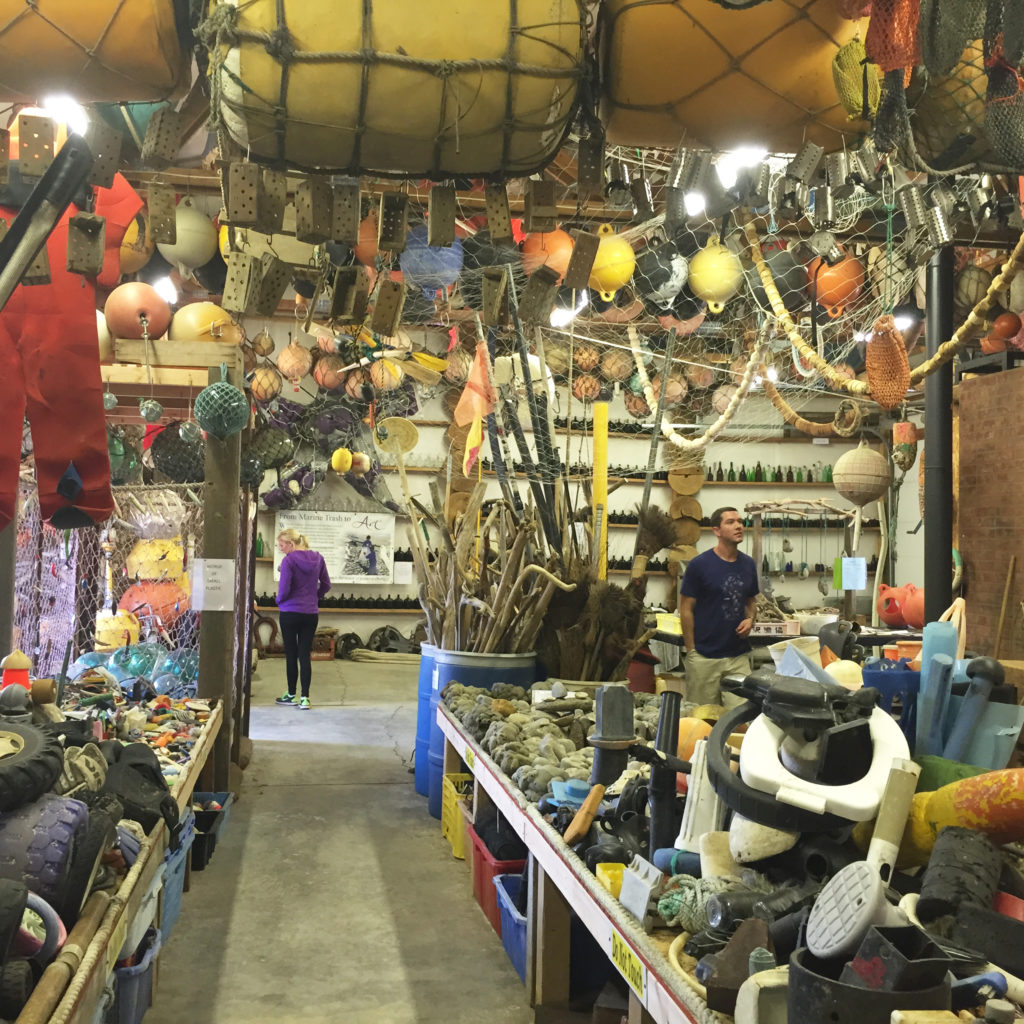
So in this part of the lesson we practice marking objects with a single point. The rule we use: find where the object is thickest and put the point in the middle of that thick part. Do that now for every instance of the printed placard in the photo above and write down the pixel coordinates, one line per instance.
(629, 965)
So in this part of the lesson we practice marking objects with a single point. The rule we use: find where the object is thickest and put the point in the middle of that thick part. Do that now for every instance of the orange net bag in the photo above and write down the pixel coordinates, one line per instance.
(892, 40)
(886, 363)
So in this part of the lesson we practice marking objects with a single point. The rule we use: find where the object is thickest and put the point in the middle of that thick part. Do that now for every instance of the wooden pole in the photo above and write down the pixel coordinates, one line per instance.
(217, 629)
(8, 566)
(600, 495)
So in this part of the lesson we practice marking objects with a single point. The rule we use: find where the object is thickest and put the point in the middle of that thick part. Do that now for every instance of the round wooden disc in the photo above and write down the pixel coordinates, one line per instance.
(685, 505)
(686, 481)
(687, 530)
(396, 434)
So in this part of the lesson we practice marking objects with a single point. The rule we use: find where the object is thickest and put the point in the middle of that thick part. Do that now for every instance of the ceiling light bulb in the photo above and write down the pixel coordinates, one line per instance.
(694, 203)
(67, 109)
(164, 287)
(773, 374)
(903, 322)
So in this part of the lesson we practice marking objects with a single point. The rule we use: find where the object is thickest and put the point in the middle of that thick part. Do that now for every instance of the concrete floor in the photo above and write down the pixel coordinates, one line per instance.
(332, 895)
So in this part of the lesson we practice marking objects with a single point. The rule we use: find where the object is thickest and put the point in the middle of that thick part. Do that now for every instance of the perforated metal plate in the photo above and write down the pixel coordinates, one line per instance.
(347, 206)
(350, 295)
(394, 221)
(273, 198)
(499, 219)
(590, 163)
(584, 252)
(314, 209)
(387, 312)
(274, 277)
(441, 213)
(35, 145)
(243, 194)
(5, 148)
(104, 143)
(804, 165)
(86, 235)
(163, 137)
(539, 296)
(39, 270)
(240, 282)
(539, 210)
(163, 224)
(494, 309)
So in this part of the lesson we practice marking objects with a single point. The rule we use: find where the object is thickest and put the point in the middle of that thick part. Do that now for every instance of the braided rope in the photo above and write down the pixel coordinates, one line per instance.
(667, 430)
(846, 423)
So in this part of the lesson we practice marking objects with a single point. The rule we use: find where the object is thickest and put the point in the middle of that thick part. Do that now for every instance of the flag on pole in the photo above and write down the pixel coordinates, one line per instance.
(476, 403)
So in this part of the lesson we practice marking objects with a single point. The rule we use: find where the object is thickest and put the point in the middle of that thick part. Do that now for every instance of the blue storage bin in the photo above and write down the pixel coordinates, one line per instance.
(894, 679)
(134, 985)
(175, 862)
(589, 966)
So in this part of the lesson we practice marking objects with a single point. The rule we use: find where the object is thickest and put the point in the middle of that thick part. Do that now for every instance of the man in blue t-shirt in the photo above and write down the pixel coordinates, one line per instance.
(717, 607)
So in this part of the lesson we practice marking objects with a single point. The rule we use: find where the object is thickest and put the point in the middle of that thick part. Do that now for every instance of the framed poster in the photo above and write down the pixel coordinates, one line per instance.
(358, 547)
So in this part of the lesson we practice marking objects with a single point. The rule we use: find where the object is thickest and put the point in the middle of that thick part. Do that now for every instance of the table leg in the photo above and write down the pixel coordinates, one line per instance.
(547, 941)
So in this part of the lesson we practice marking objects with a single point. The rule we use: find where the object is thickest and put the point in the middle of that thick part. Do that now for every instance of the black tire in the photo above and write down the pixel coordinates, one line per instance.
(16, 984)
(30, 766)
(13, 897)
(749, 802)
(38, 842)
(88, 859)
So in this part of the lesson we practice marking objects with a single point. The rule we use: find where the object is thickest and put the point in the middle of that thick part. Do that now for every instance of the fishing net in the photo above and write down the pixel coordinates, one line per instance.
(117, 593)
(892, 36)
(945, 30)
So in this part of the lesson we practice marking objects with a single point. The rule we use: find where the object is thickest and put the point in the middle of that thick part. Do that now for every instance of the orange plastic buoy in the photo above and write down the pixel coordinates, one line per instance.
(690, 731)
(548, 248)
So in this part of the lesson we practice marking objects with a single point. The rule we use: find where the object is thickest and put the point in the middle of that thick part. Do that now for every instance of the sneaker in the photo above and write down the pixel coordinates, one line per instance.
(304, 704)
(285, 698)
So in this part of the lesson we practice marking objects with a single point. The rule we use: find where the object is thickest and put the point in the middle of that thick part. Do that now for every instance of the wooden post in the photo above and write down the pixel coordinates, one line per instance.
(8, 566)
(246, 605)
(550, 943)
(217, 629)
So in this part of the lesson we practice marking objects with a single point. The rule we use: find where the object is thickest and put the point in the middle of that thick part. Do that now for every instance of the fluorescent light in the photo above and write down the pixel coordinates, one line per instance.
(694, 203)
(164, 287)
(772, 374)
(903, 322)
(562, 317)
(728, 164)
(62, 107)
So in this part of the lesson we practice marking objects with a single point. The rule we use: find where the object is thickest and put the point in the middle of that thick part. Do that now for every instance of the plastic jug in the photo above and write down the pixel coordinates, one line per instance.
(890, 605)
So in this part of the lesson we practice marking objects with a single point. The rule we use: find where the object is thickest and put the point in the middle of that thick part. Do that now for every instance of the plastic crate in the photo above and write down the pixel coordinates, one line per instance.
(453, 786)
(175, 864)
(134, 984)
(209, 826)
(513, 924)
(485, 870)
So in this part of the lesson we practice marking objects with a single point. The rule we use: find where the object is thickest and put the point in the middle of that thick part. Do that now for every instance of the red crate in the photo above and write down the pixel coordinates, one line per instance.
(485, 870)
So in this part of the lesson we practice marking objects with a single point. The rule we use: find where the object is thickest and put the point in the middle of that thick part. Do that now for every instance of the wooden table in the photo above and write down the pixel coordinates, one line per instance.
(72, 986)
(560, 881)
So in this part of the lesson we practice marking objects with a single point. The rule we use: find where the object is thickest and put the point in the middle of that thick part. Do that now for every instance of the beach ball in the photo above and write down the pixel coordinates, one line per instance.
(429, 267)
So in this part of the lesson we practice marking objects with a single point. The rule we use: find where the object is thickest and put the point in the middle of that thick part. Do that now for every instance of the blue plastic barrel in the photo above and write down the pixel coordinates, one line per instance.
(424, 686)
(483, 670)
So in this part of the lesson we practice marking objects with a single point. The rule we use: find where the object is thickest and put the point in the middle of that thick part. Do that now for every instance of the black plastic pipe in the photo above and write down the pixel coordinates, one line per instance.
(661, 794)
(938, 442)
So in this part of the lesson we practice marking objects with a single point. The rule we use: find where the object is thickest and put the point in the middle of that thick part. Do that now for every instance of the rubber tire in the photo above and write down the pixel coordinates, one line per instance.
(56, 931)
(32, 770)
(38, 842)
(16, 984)
(751, 803)
(85, 865)
(13, 899)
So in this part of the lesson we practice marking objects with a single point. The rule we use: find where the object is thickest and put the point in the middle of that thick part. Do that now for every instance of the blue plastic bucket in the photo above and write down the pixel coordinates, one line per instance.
(424, 686)
(483, 670)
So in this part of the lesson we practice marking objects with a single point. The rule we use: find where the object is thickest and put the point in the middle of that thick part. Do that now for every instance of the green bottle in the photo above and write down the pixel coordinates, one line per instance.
(827, 475)
(732, 474)
(259, 545)
(799, 475)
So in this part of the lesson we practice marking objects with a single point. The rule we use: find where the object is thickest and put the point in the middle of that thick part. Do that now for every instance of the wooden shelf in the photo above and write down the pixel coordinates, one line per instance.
(353, 611)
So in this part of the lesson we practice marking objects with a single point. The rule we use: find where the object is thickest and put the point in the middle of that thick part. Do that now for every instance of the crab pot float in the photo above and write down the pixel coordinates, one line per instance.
(329, 372)
(613, 265)
(162, 600)
(715, 275)
(547, 249)
(136, 310)
(294, 361)
(835, 286)
(205, 321)
(195, 241)
(344, 460)
(337, 113)
(266, 384)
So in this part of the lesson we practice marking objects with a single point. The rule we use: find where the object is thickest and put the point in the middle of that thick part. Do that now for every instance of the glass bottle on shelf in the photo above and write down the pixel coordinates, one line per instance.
(711, 472)
(258, 546)
(779, 475)
(758, 473)
(743, 478)
(719, 474)
(789, 475)
(810, 475)
(827, 474)
(731, 475)
(799, 474)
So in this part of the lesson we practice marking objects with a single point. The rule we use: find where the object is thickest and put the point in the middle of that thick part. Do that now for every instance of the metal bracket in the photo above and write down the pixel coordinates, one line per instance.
(274, 277)
(387, 311)
(314, 209)
(86, 235)
(499, 218)
(394, 223)
(163, 137)
(346, 208)
(241, 282)
(104, 143)
(581, 263)
(350, 295)
(441, 212)
(494, 307)
(590, 163)
(539, 211)
(35, 145)
(243, 194)
(539, 296)
(163, 223)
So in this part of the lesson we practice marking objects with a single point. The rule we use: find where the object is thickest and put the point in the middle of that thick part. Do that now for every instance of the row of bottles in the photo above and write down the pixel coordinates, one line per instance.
(817, 473)
(771, 565)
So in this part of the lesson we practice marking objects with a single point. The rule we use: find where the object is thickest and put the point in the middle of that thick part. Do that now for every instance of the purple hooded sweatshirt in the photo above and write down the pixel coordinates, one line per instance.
(304, 581)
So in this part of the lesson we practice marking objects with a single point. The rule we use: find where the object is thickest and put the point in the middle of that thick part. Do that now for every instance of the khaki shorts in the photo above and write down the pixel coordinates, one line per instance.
(704, 677)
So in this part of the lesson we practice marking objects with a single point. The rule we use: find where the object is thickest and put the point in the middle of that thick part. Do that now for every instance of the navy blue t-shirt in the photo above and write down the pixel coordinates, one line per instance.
(721, 590)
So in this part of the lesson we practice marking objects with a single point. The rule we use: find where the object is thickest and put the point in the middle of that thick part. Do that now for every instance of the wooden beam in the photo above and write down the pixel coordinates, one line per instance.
(183, 354)
(124, 373)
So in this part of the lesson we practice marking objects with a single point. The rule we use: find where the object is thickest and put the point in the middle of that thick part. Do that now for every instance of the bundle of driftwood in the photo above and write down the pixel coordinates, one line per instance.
(487, 589)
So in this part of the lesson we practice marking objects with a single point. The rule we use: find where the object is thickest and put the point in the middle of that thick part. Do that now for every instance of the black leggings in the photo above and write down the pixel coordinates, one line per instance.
(297, 629)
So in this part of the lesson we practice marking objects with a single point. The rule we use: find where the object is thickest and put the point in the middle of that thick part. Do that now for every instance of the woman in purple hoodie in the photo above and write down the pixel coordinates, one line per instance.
(304, 581)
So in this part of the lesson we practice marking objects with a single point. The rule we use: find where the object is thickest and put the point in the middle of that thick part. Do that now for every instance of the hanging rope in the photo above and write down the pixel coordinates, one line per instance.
(667, 430)
(846, 423)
